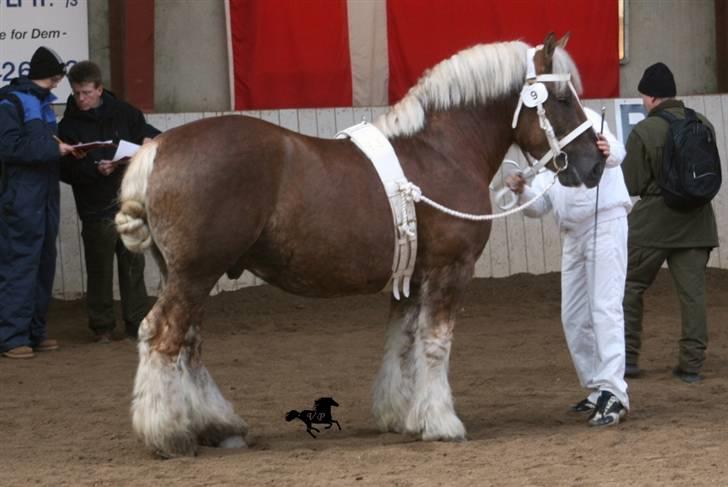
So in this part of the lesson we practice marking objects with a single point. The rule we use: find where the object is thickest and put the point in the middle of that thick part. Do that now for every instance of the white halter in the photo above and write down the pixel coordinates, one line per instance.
(533, 95)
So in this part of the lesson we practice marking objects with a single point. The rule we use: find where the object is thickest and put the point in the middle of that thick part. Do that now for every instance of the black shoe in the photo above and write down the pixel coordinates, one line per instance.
(689, 377)
(608, 410)
(131, 331)
(583, 406)
(632, 371)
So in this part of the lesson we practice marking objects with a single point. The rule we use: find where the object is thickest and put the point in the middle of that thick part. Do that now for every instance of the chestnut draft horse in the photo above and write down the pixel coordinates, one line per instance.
(309, 215)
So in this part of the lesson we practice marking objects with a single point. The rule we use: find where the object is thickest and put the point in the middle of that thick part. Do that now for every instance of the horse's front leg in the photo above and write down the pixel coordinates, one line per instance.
(432, 413)
(177, 405)
(393, 387)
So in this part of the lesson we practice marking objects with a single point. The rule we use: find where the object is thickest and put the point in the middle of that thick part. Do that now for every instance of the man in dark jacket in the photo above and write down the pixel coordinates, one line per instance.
(29, 205)
(94, 114)
(658, 233)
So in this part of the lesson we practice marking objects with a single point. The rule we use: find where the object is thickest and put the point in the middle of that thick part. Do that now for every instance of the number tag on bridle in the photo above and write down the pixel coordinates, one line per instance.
(534, 94)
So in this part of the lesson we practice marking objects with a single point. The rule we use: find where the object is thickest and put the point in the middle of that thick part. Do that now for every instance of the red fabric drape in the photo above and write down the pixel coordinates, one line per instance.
(421, 34)
(290, 53)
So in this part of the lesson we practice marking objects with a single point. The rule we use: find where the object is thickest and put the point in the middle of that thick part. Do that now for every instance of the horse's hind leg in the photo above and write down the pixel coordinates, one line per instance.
(176, 403)
(309, 428)
(394, 385)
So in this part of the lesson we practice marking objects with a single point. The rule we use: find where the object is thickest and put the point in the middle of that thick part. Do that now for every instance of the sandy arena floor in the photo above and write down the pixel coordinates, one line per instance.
(64, 416)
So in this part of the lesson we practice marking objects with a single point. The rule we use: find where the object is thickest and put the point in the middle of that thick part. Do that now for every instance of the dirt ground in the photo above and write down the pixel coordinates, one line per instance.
(64, 416)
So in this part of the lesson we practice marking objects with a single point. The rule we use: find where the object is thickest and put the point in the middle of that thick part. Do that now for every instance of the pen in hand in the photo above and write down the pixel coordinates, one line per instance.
(68, 149)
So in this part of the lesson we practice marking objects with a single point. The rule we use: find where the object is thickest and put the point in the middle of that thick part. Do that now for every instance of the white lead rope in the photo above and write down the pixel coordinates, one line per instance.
(414, 193)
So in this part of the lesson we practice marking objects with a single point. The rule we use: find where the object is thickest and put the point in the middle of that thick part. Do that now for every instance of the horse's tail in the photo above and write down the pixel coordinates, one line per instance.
(131, 220)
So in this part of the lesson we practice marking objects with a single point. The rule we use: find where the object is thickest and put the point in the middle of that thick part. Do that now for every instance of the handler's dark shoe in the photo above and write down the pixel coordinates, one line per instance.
(689, 377)
(583, 406)
(632, 371)
(609, 410)
(47, 345)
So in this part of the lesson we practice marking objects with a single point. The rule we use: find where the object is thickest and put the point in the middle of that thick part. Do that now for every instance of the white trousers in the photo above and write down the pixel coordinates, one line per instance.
(592, 288)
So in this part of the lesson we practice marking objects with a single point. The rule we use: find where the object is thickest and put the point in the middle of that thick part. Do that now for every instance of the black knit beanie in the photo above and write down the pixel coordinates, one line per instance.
(658, 82)
(45, 63)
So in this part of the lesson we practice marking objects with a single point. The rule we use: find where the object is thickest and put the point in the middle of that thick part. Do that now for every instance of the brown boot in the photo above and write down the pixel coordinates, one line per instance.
(19, 352)
(47, 345)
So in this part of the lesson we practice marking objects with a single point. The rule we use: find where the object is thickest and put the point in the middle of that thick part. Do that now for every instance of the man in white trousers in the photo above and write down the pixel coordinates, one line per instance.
(593, 271)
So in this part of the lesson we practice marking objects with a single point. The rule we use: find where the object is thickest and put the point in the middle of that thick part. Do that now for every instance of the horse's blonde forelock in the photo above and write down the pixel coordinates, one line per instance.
(563, 63)
(475, 75)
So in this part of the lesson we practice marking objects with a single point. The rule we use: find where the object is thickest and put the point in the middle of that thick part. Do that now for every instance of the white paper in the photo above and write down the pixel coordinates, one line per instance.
(635, 118)
(125, 150)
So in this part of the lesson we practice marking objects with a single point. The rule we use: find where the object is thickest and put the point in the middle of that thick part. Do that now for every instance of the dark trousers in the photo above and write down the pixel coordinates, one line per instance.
(687, 268)
(29, 216)
(101, 244)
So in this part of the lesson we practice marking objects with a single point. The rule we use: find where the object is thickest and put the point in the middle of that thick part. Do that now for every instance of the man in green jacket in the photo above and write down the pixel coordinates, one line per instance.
(658, 233)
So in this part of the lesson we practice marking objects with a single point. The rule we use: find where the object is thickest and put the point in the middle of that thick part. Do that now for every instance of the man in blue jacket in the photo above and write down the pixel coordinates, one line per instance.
(29, 205)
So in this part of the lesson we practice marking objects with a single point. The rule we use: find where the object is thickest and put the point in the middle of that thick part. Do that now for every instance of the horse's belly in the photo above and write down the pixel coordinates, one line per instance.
(318, 279)
(325, 264)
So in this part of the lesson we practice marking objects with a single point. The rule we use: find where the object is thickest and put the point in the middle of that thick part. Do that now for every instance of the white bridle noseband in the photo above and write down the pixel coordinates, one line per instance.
(533, 95)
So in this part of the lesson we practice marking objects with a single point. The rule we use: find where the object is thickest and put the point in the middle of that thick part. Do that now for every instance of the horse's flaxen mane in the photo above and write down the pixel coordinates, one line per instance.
(473, 76)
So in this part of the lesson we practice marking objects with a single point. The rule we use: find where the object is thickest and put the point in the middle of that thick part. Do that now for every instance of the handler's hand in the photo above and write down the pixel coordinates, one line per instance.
(516, 183)
(603, 145)
(67, 149)
(106, 167)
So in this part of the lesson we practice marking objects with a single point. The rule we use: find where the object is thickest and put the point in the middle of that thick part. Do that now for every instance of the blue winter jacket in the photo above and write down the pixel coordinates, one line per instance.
(30, 141)
(28, 151)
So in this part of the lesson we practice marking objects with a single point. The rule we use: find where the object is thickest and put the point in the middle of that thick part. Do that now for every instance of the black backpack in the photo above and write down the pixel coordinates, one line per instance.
(690, 175)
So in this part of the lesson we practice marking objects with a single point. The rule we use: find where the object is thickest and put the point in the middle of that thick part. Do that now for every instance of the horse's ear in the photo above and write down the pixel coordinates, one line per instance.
(549, 46)
(562, 42)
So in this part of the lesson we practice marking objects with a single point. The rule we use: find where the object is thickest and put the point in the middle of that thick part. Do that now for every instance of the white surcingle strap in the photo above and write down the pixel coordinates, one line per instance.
(381, 153)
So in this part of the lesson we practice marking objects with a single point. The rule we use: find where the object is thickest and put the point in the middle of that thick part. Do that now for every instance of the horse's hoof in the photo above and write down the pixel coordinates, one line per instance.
(443, 437)
(233, 442)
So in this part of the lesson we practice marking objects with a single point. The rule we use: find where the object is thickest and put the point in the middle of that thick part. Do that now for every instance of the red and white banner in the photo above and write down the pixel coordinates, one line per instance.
(326, 53)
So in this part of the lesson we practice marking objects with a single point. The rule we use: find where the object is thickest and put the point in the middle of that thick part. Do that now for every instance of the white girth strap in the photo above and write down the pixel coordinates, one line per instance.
(381, 153)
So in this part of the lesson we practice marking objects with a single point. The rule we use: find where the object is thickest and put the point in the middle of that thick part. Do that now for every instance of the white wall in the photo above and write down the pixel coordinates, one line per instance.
(190, 56)
(680, 33)
(517, 244)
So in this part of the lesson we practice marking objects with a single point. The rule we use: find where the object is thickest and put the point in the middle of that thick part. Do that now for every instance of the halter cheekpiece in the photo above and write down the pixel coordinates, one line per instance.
(533, 95)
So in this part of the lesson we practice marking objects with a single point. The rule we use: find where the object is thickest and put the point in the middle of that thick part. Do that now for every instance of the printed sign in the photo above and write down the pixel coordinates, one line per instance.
(629, 112)
(25, 25)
